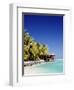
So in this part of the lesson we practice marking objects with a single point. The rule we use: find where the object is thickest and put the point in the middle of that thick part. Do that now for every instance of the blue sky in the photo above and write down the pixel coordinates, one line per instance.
(46, 29)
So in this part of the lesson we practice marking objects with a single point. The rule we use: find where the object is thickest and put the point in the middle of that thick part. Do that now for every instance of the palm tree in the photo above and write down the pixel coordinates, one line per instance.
(27, 38)
(44, 49)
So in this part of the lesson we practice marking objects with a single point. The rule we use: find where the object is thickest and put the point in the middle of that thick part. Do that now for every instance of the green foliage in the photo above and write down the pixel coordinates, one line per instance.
(33, 49)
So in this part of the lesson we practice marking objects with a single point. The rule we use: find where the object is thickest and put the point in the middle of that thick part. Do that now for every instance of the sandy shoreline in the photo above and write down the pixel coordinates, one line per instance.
(30, 70)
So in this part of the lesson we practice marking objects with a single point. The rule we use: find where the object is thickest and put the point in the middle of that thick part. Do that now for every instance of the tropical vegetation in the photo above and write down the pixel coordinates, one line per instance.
(32, 48)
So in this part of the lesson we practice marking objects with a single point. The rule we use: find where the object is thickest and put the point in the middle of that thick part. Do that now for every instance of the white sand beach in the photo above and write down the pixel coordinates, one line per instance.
(31, 70)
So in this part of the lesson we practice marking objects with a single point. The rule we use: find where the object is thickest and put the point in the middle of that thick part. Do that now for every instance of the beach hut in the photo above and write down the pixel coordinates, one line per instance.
(47, 57)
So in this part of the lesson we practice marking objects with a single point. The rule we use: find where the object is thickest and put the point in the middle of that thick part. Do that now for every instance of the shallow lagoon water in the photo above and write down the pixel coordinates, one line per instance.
(51, 67)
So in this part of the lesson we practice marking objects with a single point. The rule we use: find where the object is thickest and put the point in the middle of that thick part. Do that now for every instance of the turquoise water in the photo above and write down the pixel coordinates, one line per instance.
(51, 67)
